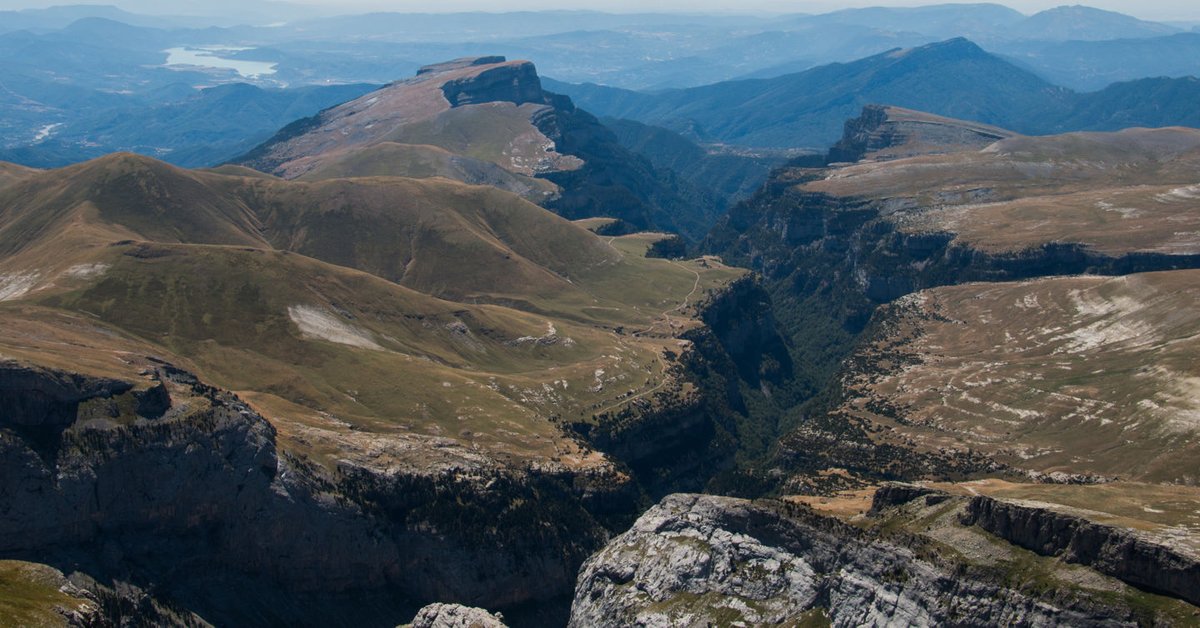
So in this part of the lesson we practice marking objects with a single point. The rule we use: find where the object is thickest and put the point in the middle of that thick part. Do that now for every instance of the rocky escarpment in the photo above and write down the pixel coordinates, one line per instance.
(615, 182)
(835, 242)
(884, 132)
(1122, 553)
(518, 84)
(197, 508)
(705, 560)
(851, 248)
(897, 493)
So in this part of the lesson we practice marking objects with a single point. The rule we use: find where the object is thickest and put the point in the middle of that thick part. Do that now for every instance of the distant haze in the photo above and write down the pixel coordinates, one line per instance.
(1180, 10)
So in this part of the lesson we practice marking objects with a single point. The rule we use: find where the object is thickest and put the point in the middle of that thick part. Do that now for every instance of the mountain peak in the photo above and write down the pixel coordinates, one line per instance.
(461, 63)
(1088, 23)
(409, 111)
(958, 45)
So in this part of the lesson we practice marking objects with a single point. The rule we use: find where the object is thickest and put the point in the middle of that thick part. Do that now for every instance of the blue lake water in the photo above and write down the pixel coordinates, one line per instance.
(209, 57)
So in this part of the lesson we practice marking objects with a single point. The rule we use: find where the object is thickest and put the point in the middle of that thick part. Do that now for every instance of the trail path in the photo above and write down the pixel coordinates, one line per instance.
(666, 314)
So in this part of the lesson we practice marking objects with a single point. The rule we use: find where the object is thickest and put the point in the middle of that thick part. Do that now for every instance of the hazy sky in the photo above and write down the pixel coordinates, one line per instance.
(1148, 9)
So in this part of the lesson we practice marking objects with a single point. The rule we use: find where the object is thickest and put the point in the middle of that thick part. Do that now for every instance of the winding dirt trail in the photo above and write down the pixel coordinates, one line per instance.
(666, 314)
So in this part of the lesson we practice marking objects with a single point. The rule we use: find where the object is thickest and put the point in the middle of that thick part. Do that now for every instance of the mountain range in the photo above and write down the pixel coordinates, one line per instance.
(903, 339)
(444, 377)
(118, 60)
(956, 78)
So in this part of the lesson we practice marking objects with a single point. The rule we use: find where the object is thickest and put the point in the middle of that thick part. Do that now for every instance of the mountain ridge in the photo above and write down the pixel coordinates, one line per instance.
(954, 78)
(493, 110)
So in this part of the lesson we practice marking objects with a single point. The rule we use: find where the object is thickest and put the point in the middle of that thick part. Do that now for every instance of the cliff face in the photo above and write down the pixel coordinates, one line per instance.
(616, 182)
(891, 133)
(1118, 552)
(194, 505)
(72, 485)
(518, 84)
(703, 560)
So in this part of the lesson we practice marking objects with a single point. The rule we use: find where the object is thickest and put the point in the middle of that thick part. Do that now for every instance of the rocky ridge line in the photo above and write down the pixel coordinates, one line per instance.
(707, 560)
(1122, 553)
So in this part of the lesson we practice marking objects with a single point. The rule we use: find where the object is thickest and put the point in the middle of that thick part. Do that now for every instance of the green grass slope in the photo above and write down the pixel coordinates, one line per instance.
(322, 302)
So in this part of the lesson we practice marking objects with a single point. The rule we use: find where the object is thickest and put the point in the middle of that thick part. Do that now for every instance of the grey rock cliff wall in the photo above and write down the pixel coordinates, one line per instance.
(707, 560)
(516, 83)
(196, 504)
(1118, 552)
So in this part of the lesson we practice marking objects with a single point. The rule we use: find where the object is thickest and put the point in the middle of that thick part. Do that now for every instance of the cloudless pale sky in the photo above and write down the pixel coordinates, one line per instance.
(1187, 10)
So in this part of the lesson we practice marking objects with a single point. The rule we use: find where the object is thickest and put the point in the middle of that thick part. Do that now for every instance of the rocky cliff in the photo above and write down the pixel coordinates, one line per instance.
(518, 84)
(1119, 552)
(705, 560)
(193, 504)
(883, 132)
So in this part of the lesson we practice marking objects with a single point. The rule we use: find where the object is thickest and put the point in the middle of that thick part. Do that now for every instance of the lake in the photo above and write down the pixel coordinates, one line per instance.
(208, 57)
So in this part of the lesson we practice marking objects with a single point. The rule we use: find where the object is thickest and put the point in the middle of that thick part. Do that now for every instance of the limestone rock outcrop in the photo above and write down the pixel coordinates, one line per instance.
(455, 616)
(708, 560)
(1119, 552)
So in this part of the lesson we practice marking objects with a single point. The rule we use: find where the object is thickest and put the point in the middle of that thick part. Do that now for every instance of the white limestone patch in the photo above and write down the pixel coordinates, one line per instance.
(1180, 393)
(320, 324)
(1187, 193)
(1028, 302)
(1115, 320)
(86, 271)
(1104, 333)
(551, 337)
(1126, 212)
(16, 285)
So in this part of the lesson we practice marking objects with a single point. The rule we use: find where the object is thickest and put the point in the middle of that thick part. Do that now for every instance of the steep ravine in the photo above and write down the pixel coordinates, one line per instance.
(681, 441)
(829, 261)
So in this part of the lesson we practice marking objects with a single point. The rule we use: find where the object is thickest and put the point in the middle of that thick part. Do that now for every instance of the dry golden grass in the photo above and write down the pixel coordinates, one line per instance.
(1135, 190)
(1075, 374)
(11, 173)
(30, 596)
(407, 311)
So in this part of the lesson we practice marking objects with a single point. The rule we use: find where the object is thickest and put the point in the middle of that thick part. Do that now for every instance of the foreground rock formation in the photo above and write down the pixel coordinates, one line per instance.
(1120, 553)
(705, 560)
(455, 616)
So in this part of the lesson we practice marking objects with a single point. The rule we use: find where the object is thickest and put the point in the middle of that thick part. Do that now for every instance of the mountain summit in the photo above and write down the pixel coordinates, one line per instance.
(433, 108)
(487, 121)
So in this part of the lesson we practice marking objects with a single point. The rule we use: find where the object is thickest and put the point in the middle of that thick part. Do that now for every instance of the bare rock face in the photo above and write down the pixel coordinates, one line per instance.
(892, 133)
(455, 616)
(1118, 552)
(706, 560)
(515, 83)
(195, 505)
